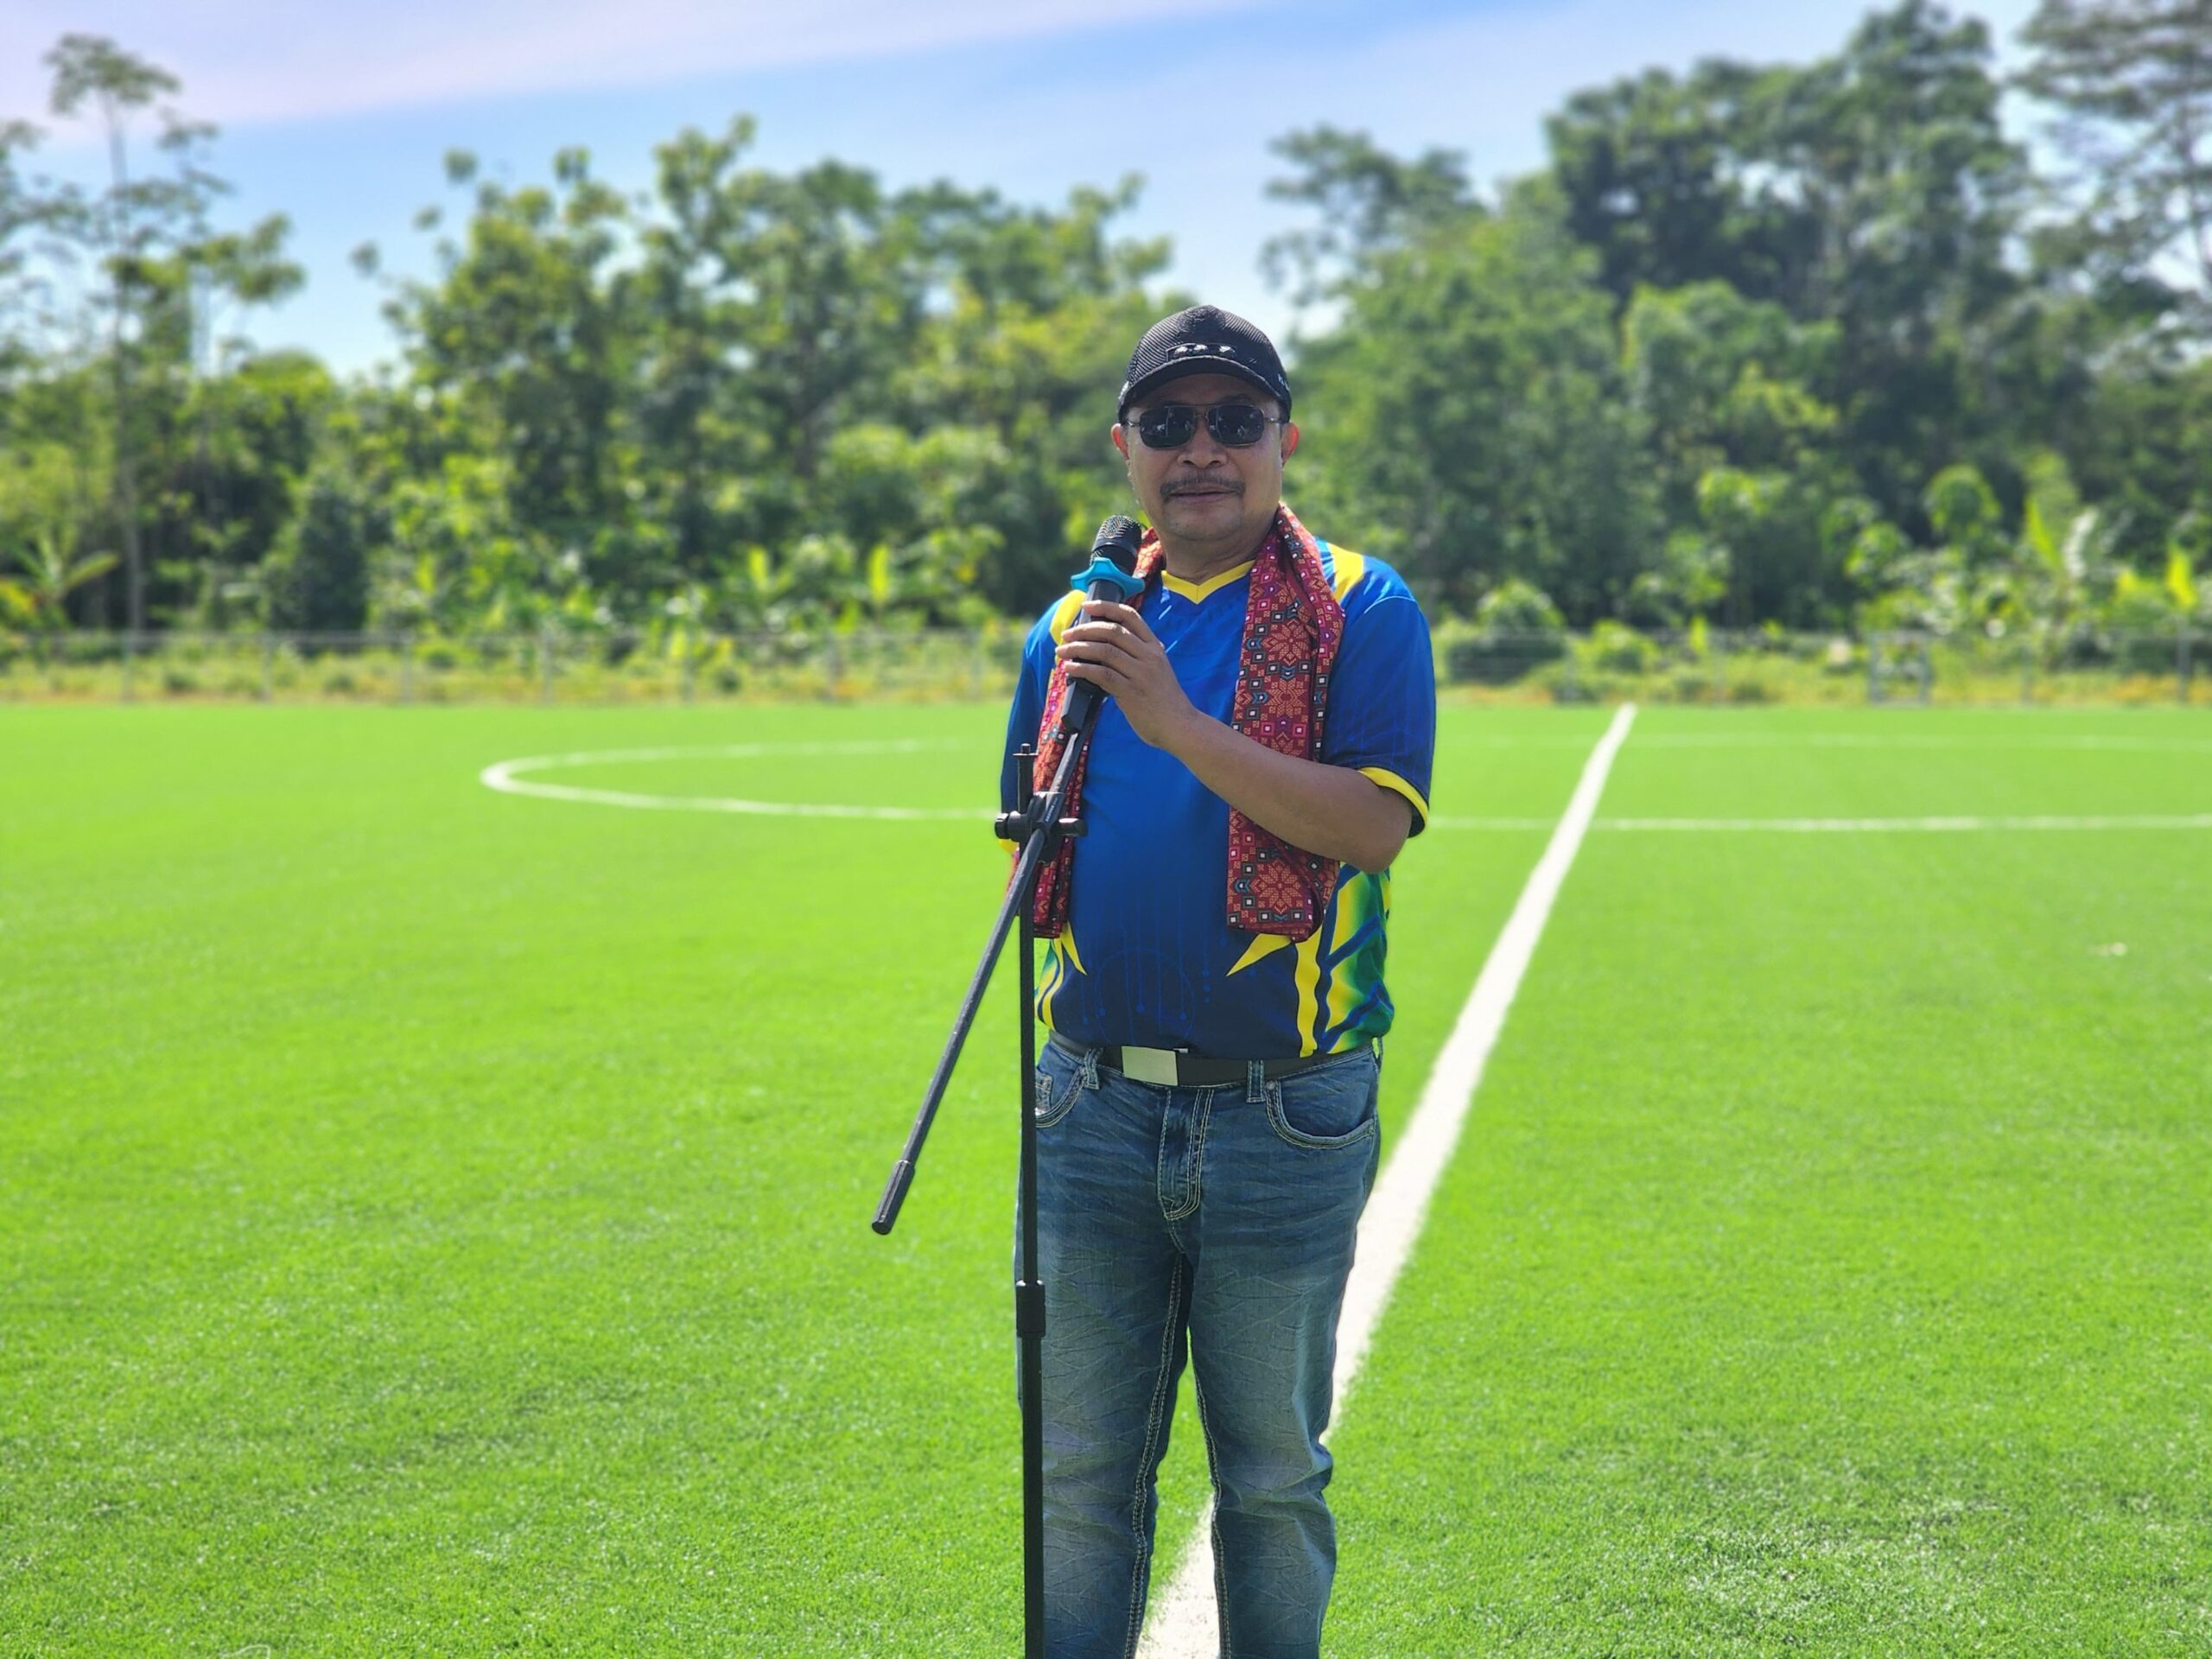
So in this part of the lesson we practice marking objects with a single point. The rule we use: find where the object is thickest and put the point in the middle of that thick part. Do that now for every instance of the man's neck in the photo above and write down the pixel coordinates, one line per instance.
(1201, 563)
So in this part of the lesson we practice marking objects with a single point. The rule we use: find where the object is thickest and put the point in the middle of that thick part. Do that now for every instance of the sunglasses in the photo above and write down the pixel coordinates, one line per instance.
(1170, 426)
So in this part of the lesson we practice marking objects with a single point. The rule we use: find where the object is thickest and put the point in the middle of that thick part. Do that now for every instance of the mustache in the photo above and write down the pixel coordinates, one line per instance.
(1234, 485)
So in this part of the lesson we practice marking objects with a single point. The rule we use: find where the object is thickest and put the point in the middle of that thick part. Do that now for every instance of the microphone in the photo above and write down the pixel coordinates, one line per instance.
(1111, 574)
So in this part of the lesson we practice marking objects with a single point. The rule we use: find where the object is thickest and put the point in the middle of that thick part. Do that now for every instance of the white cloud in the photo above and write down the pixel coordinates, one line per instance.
(242, 61)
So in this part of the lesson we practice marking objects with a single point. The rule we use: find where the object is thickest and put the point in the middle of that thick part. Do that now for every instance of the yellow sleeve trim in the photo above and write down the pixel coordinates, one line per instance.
(1397, 785)
(1350, 567)
(1065, 613)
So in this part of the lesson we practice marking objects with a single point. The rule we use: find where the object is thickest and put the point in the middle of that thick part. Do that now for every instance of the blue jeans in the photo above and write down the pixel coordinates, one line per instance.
(1218, 1222)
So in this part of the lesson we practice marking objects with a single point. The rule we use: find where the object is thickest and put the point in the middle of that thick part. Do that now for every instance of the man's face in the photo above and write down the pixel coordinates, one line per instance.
(1206, 494)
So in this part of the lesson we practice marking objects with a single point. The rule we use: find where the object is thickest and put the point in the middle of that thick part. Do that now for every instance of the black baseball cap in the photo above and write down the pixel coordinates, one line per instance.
(1204, 339)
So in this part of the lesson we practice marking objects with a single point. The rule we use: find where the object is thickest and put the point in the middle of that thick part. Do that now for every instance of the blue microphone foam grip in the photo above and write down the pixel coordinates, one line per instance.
(1101, 568)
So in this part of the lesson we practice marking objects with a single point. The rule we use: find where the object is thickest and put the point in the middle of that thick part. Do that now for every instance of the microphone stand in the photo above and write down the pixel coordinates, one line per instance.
(1037, 827)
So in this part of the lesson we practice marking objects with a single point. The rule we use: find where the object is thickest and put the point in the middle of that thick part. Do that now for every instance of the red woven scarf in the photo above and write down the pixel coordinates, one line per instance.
(1293, 626)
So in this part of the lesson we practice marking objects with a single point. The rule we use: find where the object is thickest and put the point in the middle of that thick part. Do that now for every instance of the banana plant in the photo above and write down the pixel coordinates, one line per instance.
(49, 574)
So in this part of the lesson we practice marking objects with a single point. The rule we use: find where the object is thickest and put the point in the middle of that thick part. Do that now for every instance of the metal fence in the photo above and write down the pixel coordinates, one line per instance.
(1611, 662)
(1607, 664)
(547, 666)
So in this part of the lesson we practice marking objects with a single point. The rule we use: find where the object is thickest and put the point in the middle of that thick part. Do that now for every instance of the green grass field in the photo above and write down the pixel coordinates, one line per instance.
(434, 1221)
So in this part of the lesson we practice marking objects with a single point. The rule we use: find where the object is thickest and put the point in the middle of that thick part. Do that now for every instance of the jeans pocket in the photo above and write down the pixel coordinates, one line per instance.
(1059, 1080)
(1328, 1106)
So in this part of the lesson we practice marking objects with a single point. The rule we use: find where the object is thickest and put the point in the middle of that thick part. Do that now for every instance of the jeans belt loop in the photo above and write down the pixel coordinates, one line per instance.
(1255, 1081)
(1091, 1069)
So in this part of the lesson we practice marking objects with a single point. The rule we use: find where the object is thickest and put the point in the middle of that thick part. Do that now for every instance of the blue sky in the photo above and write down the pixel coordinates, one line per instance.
(339, 115)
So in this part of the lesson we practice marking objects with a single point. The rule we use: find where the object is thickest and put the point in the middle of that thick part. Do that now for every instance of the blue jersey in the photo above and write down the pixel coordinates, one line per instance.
(1148, 957)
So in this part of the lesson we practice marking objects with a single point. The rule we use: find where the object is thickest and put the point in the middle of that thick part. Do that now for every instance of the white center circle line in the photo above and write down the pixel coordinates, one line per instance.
(512, 778)
(507, 777)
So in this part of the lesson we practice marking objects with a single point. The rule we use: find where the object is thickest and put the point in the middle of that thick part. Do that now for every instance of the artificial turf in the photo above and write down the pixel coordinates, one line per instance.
(434, 1221)
(1829, 1268)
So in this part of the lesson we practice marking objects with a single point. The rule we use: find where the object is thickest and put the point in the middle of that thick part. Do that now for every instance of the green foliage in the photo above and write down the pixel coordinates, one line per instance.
(1616, 648)
(318, 575)
(1760, 344)
(1469, 421)
(1516, 628)
(2133, 78)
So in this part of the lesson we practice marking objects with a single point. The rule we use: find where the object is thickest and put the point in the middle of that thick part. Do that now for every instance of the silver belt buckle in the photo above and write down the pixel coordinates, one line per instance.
(1149, 1064)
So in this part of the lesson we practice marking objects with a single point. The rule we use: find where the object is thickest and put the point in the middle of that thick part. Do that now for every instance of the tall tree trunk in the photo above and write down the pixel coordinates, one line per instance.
(126, 491)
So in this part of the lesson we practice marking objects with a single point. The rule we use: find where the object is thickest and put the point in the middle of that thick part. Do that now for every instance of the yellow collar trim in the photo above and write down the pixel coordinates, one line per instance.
(1197, 590)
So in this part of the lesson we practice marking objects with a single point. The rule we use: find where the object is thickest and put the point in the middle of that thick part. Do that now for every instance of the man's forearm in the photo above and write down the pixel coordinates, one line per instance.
(1332, 810)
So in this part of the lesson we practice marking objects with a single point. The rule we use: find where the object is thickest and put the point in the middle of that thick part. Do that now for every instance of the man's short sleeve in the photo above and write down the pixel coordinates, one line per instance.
(1381, 713)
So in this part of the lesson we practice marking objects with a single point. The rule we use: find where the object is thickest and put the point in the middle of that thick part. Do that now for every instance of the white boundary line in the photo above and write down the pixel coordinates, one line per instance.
(1182, 1623)
(1938, 825)
(1854, 826)
(2091, 742)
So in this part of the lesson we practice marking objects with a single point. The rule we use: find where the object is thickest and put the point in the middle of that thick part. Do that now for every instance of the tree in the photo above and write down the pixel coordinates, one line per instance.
(43, 515)
(1368, 201)
(1672, 181)
(89, 68)
(317, 579)
(521, 346)
(164, 266)
(2134, 81)
(1874, 190)
(1469, 422)
(22, 211)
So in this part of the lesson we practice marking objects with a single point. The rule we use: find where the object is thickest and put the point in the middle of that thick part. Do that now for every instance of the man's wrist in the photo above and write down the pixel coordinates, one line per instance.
(1187, 738)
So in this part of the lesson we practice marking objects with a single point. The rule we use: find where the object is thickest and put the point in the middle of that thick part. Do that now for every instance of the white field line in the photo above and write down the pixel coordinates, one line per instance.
(506, 776)
(509, 777)
(1182, 1623)
(2092, 741)
(1938, 825)
(1856, 826)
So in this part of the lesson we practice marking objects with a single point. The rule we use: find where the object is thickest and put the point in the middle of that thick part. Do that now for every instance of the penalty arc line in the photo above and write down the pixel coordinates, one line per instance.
(1183, 1623)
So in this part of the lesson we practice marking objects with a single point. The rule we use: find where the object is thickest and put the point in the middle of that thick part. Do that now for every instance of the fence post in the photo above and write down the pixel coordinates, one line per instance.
(690, 664)
(545, 663)
(268, 667)
(2182, 664)
(130, 660)
(1873, 668)
(406, 668)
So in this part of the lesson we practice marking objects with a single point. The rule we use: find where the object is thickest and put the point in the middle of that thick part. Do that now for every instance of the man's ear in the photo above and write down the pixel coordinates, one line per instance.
(1289, 439)
(1121, 439)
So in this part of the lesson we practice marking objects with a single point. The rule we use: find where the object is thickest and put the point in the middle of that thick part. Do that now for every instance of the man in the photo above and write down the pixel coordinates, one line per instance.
(1213, 985)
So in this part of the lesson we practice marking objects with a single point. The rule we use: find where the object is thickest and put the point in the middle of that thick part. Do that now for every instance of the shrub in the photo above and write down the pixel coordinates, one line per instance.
(1615, 648)
(1517, 628)
(1499, 659)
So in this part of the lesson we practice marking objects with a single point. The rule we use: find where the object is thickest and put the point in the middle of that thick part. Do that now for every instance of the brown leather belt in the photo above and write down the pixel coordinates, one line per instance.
(1178, 1068)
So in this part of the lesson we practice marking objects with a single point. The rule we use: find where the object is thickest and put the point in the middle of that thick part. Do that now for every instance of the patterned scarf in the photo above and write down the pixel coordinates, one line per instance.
(1293, 626)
